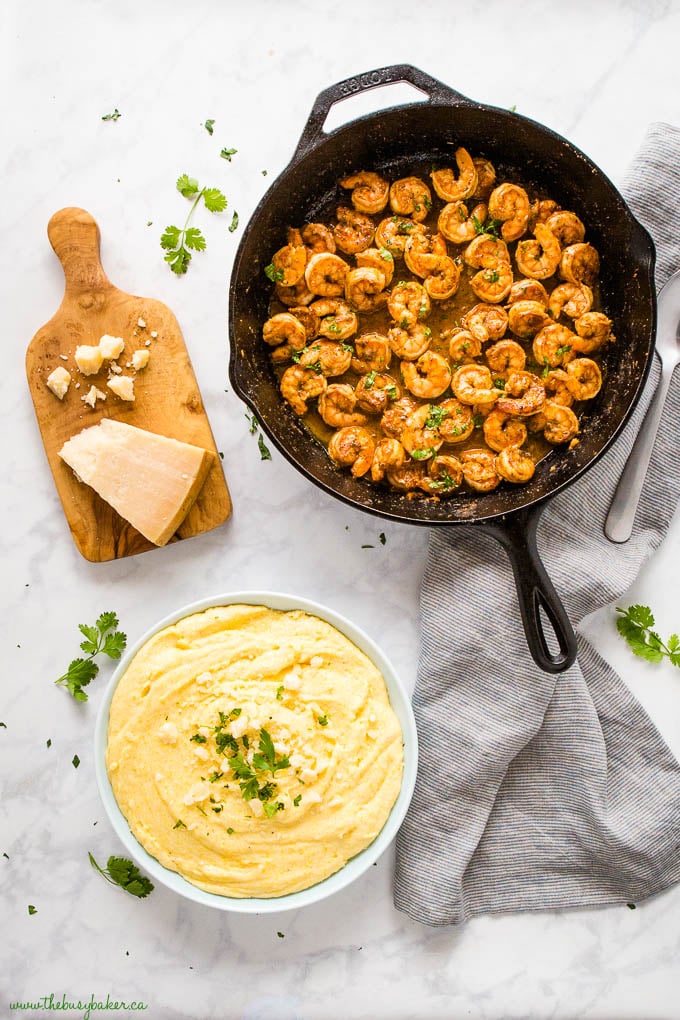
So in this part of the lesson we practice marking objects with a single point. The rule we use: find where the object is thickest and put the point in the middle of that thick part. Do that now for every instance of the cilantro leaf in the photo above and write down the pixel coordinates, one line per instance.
(120, 871)
(228, 153)
(209, 125)
(107, 621)
(92, 635)
(265, 452)
(170, 238)
(178, 261)
(187, 186)
(234, 223)
(102, 638)
(79, 674)
(214, 200)
(112, 116)
(193, 238)
(634, 624)
(114, 644)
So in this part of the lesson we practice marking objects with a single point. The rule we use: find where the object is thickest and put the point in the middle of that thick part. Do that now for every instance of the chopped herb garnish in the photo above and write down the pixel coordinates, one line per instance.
(296, 800)
(436, 416)
(422, 454)
(101, 639)
(391, 392)
(230, 831)
(274, 274)
(112, 116)
(265, 452)
(322, 720)
(279, 692)
(386, 254)
(370, 379)
(499, 384)
(563, 350)
(228, 153)
(382, 538)
(48, 742)
(198, 738)
(478, 420)
(492, 275)
(75, 761)
(120, 871)
(234, 223)
(179, 824)
(32, 910)
(209, 125)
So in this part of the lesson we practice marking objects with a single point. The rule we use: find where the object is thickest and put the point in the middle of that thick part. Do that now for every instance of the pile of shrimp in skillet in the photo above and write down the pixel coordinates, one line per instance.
(433, 345)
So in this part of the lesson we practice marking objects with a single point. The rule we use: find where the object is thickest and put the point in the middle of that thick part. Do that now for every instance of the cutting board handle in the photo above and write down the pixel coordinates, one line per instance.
(74, 235)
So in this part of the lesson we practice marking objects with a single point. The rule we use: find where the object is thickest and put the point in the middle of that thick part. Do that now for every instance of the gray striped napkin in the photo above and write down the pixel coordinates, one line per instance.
(536, 792)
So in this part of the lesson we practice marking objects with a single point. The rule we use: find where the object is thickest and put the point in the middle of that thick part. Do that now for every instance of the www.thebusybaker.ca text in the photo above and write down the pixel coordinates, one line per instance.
(84, 1006)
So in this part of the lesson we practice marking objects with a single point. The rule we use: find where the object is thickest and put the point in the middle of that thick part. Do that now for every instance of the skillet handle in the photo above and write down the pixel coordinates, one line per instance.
(535, 591)
(435, 90)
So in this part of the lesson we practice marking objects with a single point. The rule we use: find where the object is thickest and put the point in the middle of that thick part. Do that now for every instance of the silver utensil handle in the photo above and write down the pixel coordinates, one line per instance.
(619, 524)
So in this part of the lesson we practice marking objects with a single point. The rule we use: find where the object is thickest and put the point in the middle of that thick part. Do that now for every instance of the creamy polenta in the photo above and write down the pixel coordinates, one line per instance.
(253, 751)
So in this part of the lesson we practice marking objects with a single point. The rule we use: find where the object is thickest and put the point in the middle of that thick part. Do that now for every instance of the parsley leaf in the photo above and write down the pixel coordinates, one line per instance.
(120, 871)
(101, 639)
(179, 243)
(635, 626)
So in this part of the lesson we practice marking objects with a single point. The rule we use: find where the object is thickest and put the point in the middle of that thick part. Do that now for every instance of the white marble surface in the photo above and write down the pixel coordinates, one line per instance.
(595, 72)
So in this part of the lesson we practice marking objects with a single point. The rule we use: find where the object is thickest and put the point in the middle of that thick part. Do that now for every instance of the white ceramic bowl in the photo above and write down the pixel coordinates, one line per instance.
(357, 865)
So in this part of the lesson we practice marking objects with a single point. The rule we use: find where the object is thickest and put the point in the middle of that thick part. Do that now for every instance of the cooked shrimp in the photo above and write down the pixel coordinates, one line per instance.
(389, 454)
(369, 190)
(326, 357)
(501, 430)
(457, 421)
(457, 226)
(528, 290)
(540, 258)
(394, 419)
(472, 384)
(567, 227)
(556, 387)
(338, 321)
(406, 478)
(593, 329)
(408, 303)
(553, 346)
(353, 231)
(299, 294)
(451, 188)
(289, 264)
(410, 196)
(309, 319)
(561, 424)
(524, 395)
(493, 285)
(410, 343)
(377, 258)
(486, 177)
(284, 328)
(541, 210)
(463, 347)
(325, 274)
(298, 385)
(421, 437)
(526, 318)
(318, 237)
(506, 356)
(580, 263)
(337, 406)
(364, 289)
(479, 470)
(585, 378)
(372, 353)
(515, 465)
(375, 391)
(574, 299)
(510, 204)
(393, 232)
(427, 377)
(443, 280)
(421, 252)
(352, 447)
(486, 251)
(486, 322)
(444, 475)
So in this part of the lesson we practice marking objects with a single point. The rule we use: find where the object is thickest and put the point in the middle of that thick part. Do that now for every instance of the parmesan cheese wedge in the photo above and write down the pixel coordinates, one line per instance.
(150, 480)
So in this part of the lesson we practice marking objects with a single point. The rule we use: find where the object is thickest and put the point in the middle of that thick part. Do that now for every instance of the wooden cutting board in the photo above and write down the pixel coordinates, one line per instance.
(167, 398)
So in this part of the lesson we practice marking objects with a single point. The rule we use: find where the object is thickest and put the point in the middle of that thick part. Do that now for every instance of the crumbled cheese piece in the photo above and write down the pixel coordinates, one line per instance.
(116, 369)
(64, 357)
(316, 661)
(154, 334)
(141, 323)
(122, 386)
(111, 347)
(296, 760)
(197, 793)
(140, 359)
(88, 359)
(292, 681)
(147, 343)
(280, 747)
(59, 382)
(238, 727)
(168, 733)
(201, 753)
(312, 797)
(371, 734)
(308, 775)
(256, 808)
(92, 396)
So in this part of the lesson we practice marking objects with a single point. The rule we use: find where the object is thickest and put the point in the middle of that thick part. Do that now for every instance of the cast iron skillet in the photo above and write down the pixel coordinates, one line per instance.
(393, 142)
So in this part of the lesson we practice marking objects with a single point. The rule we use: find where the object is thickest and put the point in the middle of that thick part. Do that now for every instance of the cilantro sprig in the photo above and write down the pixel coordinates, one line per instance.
(120, 871)
(180, 243)
(102, 639)
(635, 625)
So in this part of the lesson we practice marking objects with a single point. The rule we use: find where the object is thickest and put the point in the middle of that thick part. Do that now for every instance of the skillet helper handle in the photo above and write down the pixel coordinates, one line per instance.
(535, 591)
(619, 524)
(435, 90)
